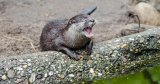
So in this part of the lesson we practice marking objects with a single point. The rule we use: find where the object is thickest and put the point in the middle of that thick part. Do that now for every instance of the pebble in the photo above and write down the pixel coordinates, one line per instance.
(29, 64)
(131, 39)
(11, 73)
(99, 74)
(32, 78)
(71, 75)
(21, 60)
(19, 68)
(4, 77)
(125, 46)
(91, 70)
(45, 75)
(25, 66)
(28, 60)
(142, 40)
(39, 76)
(71, 66)
(50, 73)
(26, 81)
(89, 62)
(19, 80)
(42, 68)
(22, 73)
(61, 76)
(7, 69)
(136, 50)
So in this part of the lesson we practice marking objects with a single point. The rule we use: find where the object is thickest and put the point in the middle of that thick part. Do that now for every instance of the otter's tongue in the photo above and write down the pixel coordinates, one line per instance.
(88, 32)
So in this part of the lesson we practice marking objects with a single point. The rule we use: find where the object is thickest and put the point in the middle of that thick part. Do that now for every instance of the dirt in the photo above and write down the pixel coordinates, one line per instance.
(21, 21)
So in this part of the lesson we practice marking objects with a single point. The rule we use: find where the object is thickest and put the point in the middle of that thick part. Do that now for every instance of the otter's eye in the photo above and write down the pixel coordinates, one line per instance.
(92, 20)
(73, 21)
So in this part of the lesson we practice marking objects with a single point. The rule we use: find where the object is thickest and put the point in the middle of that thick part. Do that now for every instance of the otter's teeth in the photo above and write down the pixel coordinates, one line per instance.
(89, 35)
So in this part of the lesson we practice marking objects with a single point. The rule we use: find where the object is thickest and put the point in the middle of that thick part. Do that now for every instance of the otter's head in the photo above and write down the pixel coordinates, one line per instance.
(81, 24)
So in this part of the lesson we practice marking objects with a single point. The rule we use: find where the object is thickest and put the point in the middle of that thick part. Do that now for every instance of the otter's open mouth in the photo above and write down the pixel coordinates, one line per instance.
(88, 32)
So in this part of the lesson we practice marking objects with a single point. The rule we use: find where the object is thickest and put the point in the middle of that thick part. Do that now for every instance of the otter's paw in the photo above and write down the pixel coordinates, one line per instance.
(89, 52)
(78, 57)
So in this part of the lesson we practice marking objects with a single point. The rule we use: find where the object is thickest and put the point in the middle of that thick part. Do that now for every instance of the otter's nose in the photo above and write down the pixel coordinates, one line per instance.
(92, 20)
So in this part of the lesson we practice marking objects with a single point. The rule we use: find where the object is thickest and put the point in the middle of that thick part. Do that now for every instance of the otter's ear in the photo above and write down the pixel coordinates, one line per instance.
(89, 10)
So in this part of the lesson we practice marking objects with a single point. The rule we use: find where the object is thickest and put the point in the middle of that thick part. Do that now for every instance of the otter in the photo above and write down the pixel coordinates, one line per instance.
(67, 35)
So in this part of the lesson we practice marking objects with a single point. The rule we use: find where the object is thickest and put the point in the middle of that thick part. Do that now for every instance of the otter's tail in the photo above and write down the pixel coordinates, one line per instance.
(89, 10)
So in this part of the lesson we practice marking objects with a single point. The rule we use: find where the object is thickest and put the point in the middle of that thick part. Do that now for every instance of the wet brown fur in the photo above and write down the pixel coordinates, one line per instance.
(53, 38)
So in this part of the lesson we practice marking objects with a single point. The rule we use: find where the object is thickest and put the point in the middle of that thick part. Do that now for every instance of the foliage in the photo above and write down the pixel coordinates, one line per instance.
(147, 76)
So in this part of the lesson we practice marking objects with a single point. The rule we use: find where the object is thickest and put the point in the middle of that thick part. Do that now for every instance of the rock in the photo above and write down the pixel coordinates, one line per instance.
(61, 76)
(125, 46)
(25, 66)
(50, 73)
(4, 77)
(19, 68)
(28, 60)
(19, 80)
(91, 70)
(144, 10)
(139, 49)
(26, 81)
(29, 64)
(134, 28)
(11, 73)
(39, 76)
(71, 75)
(45, 75)
(32, 78)
(41, 68)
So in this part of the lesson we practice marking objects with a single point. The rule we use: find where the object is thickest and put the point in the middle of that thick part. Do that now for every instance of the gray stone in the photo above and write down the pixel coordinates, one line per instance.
(4, 77)
(11, 73)
(32, 77)
(39, 76)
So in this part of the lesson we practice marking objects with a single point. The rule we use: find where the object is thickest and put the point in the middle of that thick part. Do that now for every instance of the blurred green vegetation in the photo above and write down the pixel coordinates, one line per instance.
(147, 76)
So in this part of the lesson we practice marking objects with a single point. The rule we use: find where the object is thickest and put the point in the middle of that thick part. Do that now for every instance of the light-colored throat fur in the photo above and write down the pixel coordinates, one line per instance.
(74, 37)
